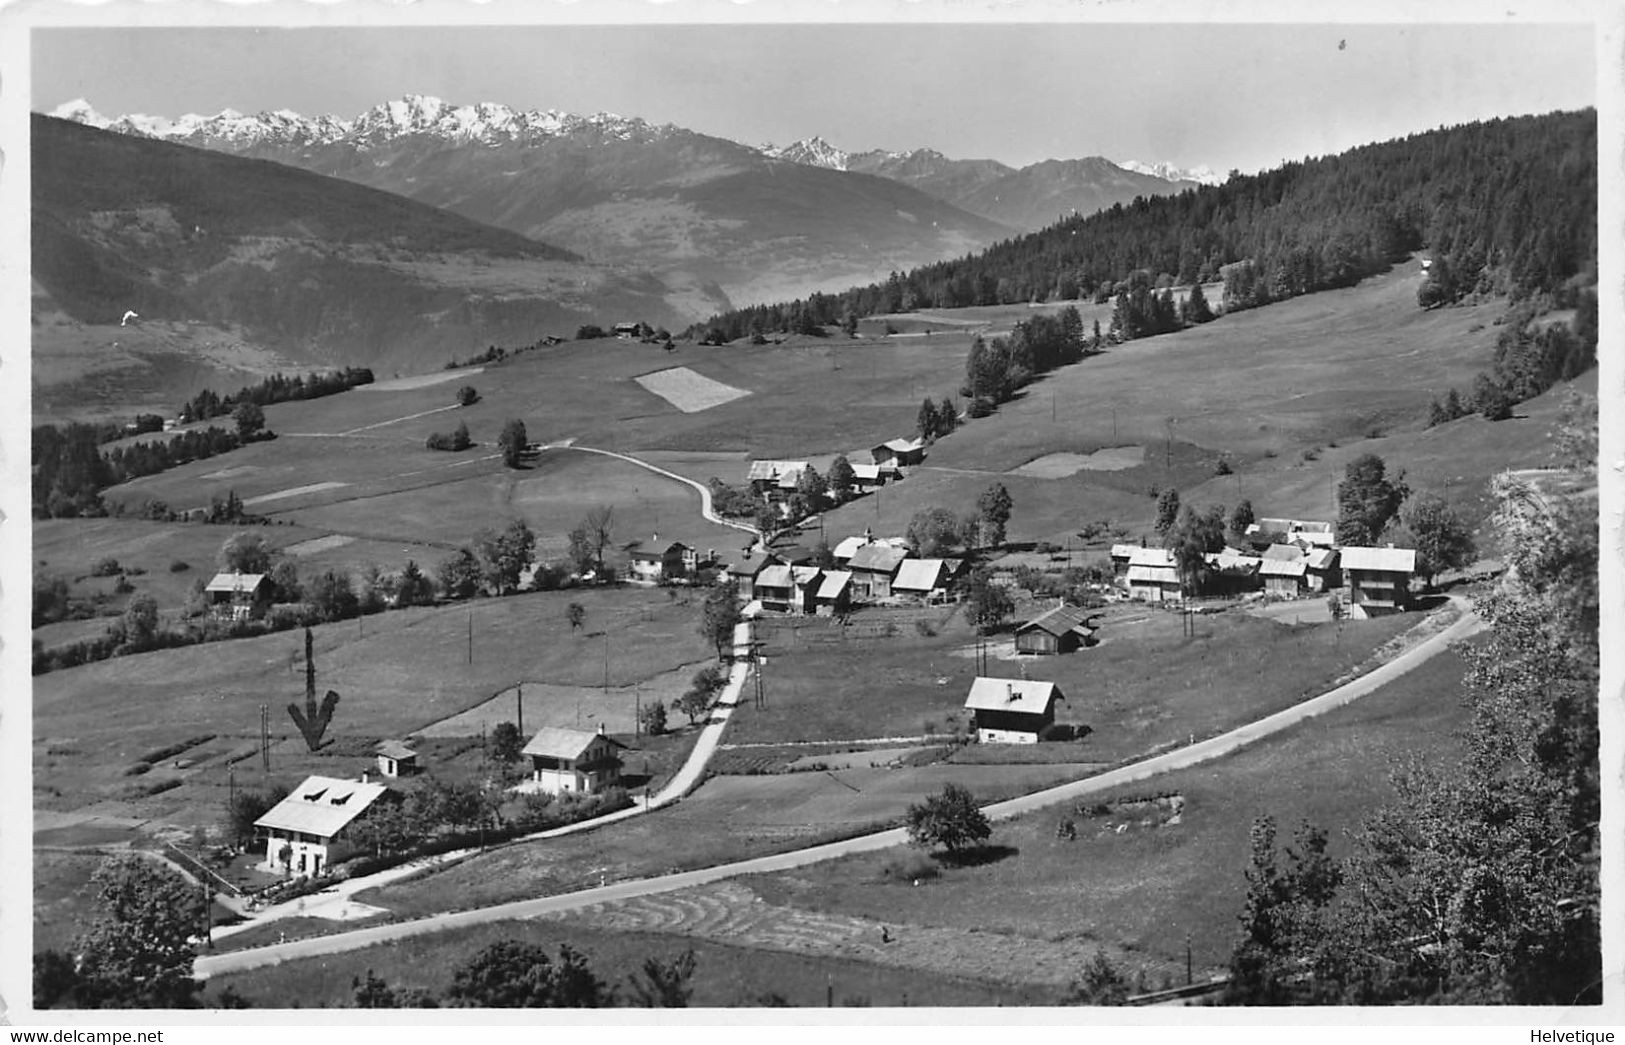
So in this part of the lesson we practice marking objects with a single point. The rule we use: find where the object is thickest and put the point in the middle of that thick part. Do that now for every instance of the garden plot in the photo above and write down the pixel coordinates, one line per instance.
(319, 544)
(1061, 465)
(294, 492)
(688, 391)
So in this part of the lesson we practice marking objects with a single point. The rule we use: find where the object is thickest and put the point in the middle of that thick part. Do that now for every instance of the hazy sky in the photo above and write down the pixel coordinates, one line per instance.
(1221, 95)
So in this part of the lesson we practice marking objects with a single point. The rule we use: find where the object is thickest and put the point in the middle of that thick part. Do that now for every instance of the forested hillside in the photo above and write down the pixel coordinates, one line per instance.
(1503, 206)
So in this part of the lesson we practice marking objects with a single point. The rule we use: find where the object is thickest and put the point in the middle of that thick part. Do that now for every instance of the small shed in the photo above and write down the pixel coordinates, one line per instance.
(1321, 569)
(574, 760)
(834, 595)
(396, 759)
(1012, 711)
(1060, 630)
(239, 596)
(922, 579)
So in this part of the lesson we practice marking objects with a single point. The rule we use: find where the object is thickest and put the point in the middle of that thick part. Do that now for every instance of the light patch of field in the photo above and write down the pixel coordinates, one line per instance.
(407, 384)
(852, 759)
(1061, 465)
(688, 391)
(571, 707)
(294, 492)
(232, 473)
(319, 544)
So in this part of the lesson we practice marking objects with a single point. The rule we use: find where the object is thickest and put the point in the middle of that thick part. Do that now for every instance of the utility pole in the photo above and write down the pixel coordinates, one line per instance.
(231, 790)
(265, 737)
(471, 636)
(519, 692)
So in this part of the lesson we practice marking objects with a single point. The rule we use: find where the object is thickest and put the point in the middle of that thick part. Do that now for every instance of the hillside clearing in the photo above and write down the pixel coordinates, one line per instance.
(688, 391)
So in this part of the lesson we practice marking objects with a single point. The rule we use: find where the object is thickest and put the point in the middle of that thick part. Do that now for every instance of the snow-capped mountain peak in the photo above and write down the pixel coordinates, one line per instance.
(80, 111)
(1168, 172)
(812, 152)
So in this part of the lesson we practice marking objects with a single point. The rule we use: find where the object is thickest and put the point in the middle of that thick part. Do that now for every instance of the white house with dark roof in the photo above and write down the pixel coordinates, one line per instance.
(311, 829)
(1012, 711)
(1378, 579)
(573, 760)
(899, 452)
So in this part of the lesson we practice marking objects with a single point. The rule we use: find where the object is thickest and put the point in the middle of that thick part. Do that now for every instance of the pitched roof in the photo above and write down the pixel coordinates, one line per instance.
(1123, 551)
(867, 472)
(1321, 558)
(1153, 574)
(1283, 553)
(773, 469)
(804, 574)
(557, 742)
(395, 749)
(835, 582)
(321, 806)
(877, 558)
(1059, 621)
(901, 446)
(790, 478)
(1281, 568)
(918, 574)
(775, 576)
(1028, 696)
(1391, 560)
(1233, 562)
(846, 547)
(1151, 557)
(235, 582)
(751, 568)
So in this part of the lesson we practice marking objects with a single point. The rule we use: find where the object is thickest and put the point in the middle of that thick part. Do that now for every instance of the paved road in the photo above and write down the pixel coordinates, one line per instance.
(1203, 751)
(337, 902)
(705, 493)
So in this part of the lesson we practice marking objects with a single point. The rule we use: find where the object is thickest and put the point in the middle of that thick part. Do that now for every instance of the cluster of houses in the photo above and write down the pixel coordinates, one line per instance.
(315, 825)
(775, 480)
(866, 570)
(1286, 558)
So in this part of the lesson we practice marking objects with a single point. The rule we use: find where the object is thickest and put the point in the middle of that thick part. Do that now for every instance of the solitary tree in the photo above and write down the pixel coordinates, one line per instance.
(949, 820)
(653, 717)
(1367, 499)
(250, 420)
(993, 511)
(719, 616)
(840, 479)
(696, 702)
(467, 396)
(245, 553)
(1167, 511)
(513, 441)
(504, 556)
(506, 743)
(141, 622)
(139, 952)
(577, 614)
(933, 531)
(1442, 540)
(599, 527)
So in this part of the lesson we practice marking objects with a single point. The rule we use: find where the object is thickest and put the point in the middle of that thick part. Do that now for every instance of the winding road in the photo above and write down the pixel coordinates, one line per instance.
(1193, 754)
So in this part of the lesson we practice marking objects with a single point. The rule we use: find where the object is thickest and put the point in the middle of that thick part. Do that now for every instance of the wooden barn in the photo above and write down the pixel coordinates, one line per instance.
(1153, 575)
(239, 596)
(1061, 630)
(873, 567)
(1284, 570)
(1011, 711)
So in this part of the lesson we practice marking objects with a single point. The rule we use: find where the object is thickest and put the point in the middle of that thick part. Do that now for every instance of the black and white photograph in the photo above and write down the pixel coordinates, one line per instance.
(828, 515)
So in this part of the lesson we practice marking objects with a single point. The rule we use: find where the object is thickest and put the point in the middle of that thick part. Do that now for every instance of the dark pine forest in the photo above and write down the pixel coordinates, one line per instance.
(1504, 207)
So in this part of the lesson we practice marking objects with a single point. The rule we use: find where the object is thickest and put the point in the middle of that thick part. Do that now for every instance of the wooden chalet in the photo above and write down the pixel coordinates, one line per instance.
(1284, 570)
(767, 477)
(874, 567)
(573, 760)
(1231, 572)
(1011, 711)
(1060, 630)
(923, 579)
(239, 596)
(1153, 575)
(899, 452)
(1378, 579)
(658, 564)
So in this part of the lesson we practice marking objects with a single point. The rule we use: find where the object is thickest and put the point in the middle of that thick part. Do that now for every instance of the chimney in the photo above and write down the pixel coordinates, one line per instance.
(363, 776)
(600, 729)
(1010, 692)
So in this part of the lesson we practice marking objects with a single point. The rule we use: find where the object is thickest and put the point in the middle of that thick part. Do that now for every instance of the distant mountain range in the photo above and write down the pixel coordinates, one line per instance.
(762, 223)
(208, 249)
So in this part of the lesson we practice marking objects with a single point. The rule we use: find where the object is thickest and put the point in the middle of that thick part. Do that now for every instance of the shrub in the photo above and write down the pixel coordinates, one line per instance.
(179, 566)
(122, 586)
(1223, 467)
(467, 396)
(925, 629)
(910, 867)
(107, 567)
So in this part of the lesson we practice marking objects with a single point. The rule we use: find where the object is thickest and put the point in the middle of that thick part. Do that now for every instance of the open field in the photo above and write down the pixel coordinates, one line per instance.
(1142, 889)
(1144, 686)
(688, 391)
(396, 673)
(724, 975)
